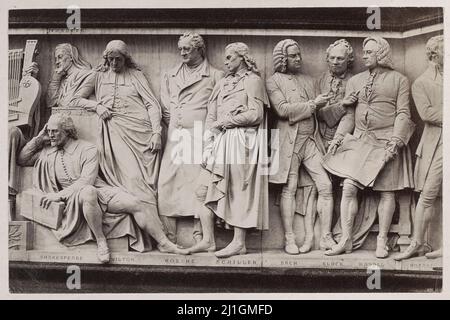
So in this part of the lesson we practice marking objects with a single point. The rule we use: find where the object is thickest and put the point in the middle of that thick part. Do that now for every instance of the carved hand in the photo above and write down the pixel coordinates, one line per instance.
(43, 135)
(48, 199)
(217, 126)
(206, 154)
(322, 99)
(391, 149)
(334, 144)
(32, 69)
(103, 112)
(238, 110)
(350, 99)
(155, 143)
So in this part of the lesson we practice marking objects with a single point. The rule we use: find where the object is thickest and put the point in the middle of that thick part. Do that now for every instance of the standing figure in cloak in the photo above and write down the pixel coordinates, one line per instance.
(374, 152)
(129, 131)
(234, 183)
(427, 93)
(185, 91)
(294, 98)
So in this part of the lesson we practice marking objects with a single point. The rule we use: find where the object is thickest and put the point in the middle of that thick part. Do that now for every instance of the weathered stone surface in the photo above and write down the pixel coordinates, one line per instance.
(44, 239)
(422, 264)
(358, 260)
(252, 260)
(20, 235)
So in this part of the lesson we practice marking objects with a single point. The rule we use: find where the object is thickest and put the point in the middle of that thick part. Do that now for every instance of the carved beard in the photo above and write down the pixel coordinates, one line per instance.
(63, 67)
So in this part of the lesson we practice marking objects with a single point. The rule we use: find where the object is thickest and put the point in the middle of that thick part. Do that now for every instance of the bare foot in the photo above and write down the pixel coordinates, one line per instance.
(169, 247)
(203, 246)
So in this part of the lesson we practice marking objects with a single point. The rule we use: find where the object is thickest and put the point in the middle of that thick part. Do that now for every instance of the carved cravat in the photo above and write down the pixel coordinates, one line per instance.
(231, 81)
(335, 87)
(369, 84)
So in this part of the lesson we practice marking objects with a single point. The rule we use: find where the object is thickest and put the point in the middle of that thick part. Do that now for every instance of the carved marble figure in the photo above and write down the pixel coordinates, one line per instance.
(129, 129)
(185, 91)
(66, 170)
(69, 73)
(234, 183)
(339, 58)
(333, 82)
(294, 98)
(427, 93)
(370, 149)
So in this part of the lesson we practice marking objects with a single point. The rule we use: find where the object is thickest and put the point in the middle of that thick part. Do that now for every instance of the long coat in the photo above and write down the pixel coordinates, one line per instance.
(330, 114)
(383, 114)
(289, 96)
(237, 186)
(183, 104)
(125, 159)
(427, 94)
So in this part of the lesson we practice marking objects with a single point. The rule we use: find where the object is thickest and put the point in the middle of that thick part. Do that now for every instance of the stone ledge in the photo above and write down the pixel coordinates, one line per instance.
(271, 259)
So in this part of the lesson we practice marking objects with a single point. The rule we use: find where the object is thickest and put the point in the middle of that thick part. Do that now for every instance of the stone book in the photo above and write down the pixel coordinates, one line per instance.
(32, 210)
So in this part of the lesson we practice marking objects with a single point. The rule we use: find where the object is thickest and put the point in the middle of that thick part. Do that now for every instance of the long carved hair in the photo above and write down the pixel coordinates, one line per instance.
(348, 47)
(384, 53)
(73, 53)
(120, 47)
(66, 123)
(432, 45)
(242, 50)
(280, 54)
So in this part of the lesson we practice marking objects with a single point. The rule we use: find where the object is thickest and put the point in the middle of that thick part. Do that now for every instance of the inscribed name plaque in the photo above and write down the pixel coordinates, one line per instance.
(32, 210)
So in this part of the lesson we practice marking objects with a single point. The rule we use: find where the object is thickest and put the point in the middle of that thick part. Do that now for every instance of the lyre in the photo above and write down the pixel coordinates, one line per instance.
(24, 92)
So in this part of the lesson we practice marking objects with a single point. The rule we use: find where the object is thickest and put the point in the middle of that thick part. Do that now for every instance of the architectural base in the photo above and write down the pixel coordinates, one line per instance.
(36, 277)
(358, 260)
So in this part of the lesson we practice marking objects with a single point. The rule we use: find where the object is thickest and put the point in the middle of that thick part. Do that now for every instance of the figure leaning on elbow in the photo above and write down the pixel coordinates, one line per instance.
(381, 120)
(294, 99)
(427, 93)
